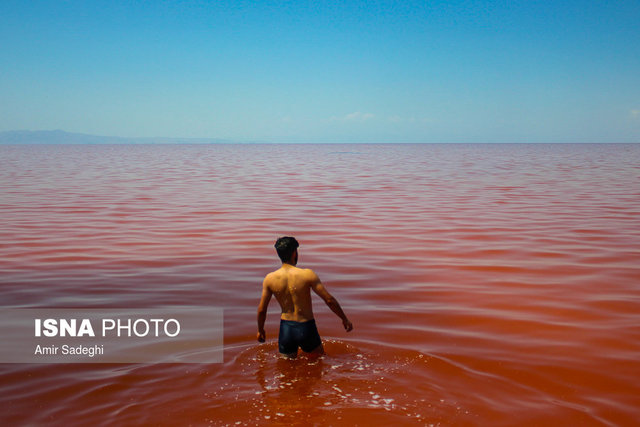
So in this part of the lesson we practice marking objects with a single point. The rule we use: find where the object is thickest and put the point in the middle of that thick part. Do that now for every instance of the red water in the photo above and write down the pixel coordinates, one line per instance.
(487, 284)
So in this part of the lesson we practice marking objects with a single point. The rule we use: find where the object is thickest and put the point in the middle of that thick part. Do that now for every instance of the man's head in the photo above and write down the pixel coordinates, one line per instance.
(286, 248)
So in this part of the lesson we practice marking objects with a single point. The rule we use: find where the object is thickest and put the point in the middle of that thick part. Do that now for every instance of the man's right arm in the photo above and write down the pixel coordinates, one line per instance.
(331, 302)
(262, 310)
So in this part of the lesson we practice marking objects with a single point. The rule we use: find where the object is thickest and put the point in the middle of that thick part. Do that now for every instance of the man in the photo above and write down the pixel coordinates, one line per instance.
(292, 287)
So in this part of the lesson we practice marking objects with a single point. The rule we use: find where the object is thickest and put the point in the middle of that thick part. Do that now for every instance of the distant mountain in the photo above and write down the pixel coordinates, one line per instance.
(62, 137)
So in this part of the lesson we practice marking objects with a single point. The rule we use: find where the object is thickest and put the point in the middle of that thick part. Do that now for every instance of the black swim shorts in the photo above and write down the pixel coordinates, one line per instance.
(298, 334)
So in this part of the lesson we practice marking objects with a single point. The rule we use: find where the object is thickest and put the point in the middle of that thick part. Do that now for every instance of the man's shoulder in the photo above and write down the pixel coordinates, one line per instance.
(308, 273)
(273, 274)
(270, 277)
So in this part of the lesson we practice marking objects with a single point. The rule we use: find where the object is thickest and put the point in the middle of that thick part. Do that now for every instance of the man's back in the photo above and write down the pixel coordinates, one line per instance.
(292, 289)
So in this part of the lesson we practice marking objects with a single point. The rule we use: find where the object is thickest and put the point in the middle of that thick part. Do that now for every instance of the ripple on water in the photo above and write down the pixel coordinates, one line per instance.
(353, 379)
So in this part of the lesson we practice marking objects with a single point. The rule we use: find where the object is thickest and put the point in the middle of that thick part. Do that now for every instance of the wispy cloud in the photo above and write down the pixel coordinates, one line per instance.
(356, 116)
(408, 119)
(635, 114)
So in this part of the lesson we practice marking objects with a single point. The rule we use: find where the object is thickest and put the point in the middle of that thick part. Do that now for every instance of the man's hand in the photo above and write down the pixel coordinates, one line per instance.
(261, 336)
(348, 326)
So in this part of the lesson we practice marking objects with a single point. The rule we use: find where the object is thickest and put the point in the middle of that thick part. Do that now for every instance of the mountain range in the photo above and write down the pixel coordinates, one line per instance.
(62, 137)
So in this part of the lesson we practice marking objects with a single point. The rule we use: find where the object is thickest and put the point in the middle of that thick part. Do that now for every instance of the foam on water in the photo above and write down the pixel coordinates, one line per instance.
(352, 379)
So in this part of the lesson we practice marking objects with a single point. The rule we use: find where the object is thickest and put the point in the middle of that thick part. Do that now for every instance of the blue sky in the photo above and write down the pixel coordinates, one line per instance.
(470, 71)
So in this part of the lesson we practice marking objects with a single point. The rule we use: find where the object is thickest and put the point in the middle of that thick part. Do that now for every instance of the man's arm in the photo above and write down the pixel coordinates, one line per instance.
(262, 310)
(333, 304)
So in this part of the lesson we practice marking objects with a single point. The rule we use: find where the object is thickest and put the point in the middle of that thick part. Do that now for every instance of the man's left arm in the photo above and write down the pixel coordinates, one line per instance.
(333, 303)
(262, 310)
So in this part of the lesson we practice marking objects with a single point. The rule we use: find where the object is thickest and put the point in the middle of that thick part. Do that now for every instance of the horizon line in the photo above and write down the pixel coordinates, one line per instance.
(27, 137)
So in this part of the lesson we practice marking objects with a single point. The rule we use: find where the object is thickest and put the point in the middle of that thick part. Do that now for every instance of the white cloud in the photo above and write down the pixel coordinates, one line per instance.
(356, 116)
(360, 117)
(409, 119)
(635, 114)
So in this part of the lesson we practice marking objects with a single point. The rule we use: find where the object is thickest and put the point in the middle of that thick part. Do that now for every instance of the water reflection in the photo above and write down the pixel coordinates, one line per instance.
(290, 387)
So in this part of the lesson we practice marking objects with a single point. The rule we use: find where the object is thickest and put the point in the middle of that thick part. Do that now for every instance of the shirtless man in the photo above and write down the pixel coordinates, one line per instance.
(292, 288)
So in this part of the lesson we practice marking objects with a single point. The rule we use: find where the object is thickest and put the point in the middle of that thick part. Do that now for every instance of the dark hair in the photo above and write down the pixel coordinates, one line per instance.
(286, 246)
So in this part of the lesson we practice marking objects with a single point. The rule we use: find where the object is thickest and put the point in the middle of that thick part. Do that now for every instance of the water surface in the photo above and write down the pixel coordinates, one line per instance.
(487, 284)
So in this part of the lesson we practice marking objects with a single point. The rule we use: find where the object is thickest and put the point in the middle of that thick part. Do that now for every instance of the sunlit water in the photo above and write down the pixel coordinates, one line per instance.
(487, 284)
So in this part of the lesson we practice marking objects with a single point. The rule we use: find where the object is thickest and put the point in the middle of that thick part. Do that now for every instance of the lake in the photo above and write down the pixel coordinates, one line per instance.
(488, 284)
